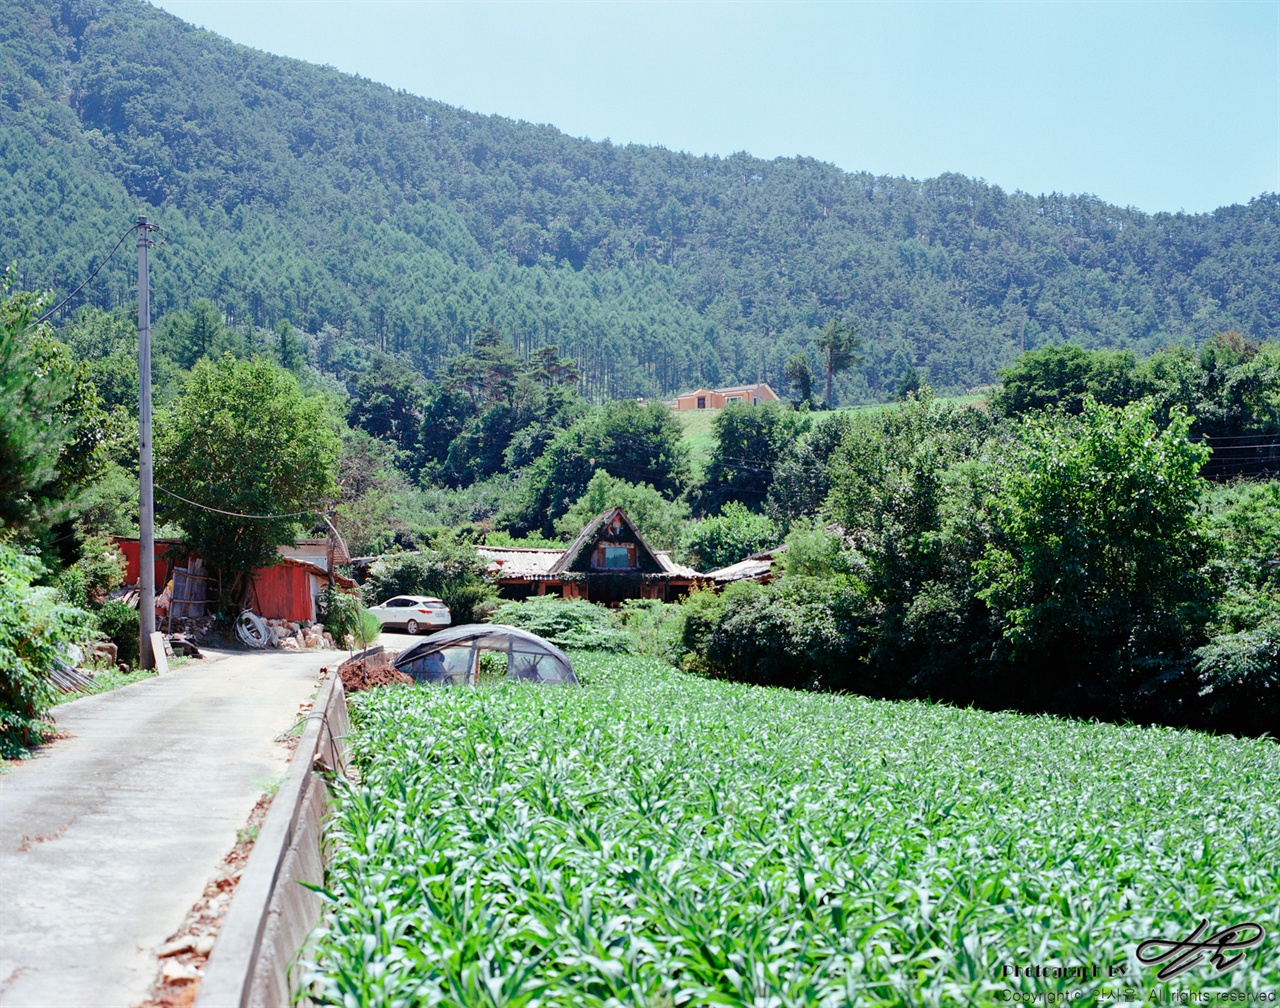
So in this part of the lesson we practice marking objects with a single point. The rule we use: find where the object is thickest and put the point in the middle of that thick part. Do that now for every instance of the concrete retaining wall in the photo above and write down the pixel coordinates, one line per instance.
(271, 914)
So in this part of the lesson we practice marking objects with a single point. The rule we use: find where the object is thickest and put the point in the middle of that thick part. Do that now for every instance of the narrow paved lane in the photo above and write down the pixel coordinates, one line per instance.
(108, 837)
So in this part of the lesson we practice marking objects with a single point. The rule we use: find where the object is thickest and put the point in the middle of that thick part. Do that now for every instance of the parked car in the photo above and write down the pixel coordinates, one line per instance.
(412, 613)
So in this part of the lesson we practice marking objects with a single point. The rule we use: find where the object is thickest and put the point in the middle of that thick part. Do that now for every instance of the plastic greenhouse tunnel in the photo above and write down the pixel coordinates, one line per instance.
(463, 656)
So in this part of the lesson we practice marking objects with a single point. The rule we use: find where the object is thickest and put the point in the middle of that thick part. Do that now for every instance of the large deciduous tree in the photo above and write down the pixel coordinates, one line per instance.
(732, 535)
(629, 441)
(750, 441)
(1099, 564)
(243, 438)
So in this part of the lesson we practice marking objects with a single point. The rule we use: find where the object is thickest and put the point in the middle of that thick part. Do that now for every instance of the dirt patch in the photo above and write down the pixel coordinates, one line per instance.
(371, 669)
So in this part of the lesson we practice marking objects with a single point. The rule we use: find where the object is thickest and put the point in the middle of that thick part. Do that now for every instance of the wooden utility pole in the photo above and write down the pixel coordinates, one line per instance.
(146, 494)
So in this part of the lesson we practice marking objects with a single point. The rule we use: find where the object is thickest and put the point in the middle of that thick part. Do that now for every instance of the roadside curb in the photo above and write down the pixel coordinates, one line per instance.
(271, 913)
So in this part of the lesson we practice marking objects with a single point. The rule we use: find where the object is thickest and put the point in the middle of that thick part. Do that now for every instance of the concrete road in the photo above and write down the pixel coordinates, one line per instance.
(108, 837)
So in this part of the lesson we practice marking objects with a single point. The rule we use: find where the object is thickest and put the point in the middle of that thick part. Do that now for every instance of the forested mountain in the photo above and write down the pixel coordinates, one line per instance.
(376, 219)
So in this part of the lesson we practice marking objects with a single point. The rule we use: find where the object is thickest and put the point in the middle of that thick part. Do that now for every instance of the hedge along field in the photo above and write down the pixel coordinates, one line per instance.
(658, 839)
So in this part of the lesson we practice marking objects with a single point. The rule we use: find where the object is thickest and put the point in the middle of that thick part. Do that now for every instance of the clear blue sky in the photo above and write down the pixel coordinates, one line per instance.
(1158, 105)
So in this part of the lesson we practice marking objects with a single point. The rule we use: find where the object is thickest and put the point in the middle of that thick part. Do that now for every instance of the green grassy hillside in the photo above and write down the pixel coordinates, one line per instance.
(374, 218)
(659, 839)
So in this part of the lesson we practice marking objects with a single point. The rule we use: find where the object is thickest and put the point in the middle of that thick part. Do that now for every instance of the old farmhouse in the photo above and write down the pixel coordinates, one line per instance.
(608, 562)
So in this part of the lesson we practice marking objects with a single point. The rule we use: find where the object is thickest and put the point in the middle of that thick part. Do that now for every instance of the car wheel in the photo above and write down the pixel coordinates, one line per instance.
(411, 626)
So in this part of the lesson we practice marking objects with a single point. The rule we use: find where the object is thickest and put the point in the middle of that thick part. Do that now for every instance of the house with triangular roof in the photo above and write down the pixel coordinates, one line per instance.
(608, 562)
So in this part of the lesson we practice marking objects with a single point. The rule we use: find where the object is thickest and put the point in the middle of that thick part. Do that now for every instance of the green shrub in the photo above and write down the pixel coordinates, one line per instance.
(656, 628)
(119, 622)
(33, 627)
(793, 632)
(567, 624)
(1240, 677)
(343, 613)
(99, 571)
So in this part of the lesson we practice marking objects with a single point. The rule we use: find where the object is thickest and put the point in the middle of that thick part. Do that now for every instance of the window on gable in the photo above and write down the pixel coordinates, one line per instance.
(616, 557)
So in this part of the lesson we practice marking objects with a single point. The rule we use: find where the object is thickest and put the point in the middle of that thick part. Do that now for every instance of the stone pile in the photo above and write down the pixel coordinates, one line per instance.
(194, 627)
(289, 635)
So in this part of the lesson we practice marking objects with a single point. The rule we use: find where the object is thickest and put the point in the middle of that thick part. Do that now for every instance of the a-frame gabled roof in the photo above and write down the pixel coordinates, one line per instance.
(588, 536)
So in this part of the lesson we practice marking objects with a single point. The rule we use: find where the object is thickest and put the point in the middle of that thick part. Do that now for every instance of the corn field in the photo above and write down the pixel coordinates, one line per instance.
(658, 839)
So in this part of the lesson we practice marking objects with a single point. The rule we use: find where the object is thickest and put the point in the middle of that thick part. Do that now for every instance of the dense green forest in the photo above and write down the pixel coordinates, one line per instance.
(376, 220)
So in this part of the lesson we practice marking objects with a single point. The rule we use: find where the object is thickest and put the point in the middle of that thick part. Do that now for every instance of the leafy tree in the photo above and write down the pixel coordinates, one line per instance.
(291, 353)
(839, 342)
(551, 369)
(1243, 520)
(1230, 390)
(640, 443)
(388, 402)
(243, 438)
(749, 442)
(802, 478)
(1239, 675)
(1063, 376)
(375, 500)
(814, 551)
(31, 404)
(730, 536)
(1099, 565)
(799, 375)
(1241, 387)
(55, 434)
(487, 373)
(910, 382)
(895, 481)
(659, 520)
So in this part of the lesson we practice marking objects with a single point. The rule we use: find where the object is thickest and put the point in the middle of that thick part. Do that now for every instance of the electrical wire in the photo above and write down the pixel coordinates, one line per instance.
(237, 514)
(61, 304)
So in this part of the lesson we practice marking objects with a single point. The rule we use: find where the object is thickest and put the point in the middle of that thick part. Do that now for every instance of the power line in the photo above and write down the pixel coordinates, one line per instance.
(237, 514)
(61, 304)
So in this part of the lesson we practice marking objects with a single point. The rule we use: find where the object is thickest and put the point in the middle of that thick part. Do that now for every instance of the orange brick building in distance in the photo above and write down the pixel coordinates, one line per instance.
(749, 395)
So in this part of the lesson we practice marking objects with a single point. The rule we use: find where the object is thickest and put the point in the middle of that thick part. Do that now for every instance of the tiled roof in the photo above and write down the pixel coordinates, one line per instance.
(671, 567)
(519, 561)
(755, 566)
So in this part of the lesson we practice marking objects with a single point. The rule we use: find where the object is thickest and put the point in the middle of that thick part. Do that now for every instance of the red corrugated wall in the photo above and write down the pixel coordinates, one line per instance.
(131, 548)
(282, 592)
(279, 592)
